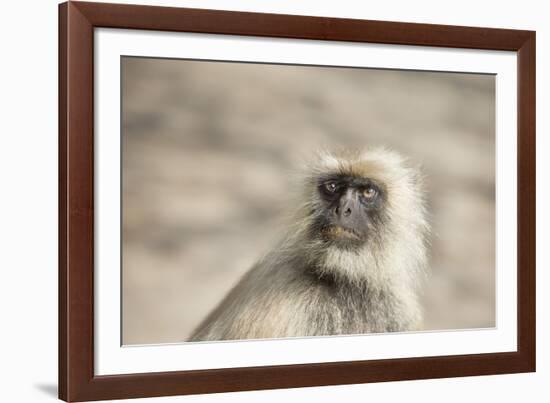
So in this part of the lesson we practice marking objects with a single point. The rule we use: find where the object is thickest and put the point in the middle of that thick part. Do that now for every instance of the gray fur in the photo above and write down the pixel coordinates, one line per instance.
(306, 287)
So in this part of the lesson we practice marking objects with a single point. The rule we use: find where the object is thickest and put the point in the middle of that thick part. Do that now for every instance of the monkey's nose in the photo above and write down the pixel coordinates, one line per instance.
(347, 207)
(343, 211)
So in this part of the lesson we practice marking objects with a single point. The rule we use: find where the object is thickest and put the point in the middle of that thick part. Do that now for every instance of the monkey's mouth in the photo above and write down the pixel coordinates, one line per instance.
(338, 232)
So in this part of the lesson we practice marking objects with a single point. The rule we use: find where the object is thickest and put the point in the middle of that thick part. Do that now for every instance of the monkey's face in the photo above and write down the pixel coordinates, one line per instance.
(350, 210)
(360, 215)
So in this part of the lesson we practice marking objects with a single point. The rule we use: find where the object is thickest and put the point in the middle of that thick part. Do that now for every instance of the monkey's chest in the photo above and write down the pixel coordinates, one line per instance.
(351, 313)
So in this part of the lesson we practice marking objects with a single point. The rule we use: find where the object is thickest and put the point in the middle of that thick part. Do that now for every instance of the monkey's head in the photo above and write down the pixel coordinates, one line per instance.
(363, 216)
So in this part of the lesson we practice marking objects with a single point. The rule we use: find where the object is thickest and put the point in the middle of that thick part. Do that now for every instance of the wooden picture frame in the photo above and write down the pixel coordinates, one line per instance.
(77, 381)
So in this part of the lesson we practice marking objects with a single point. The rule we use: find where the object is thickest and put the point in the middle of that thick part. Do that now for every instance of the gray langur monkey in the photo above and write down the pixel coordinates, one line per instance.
(351, 262)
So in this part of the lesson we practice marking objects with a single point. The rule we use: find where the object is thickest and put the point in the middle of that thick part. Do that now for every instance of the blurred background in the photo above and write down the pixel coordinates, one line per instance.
(210, 150)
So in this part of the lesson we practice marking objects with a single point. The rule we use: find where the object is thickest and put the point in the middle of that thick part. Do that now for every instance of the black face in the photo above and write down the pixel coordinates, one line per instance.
(352, 209)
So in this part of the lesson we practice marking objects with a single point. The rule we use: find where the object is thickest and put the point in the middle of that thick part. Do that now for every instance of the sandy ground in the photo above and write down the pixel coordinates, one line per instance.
(210, 151)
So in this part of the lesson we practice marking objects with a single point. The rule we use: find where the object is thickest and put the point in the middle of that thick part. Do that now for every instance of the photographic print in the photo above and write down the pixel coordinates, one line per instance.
(265, 201)
(254, 201)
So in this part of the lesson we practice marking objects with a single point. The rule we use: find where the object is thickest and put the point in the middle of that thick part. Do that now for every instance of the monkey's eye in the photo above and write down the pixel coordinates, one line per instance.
(331, 187)
(370, 193)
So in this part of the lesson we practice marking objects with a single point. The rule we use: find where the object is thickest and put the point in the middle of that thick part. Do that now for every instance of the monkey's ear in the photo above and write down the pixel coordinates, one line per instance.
(418, 178)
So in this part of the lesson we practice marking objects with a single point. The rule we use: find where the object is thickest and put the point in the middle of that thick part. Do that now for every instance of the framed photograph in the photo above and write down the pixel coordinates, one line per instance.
(254, 201)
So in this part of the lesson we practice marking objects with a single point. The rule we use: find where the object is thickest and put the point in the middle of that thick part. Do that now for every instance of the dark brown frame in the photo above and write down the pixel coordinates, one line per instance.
(77, 21)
